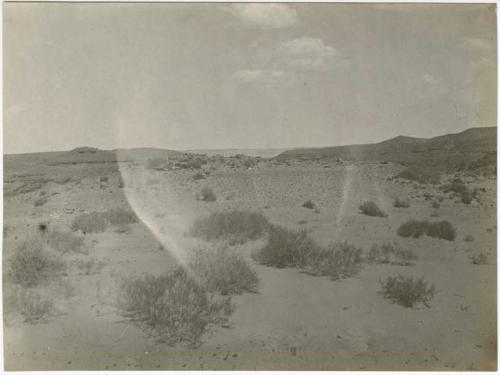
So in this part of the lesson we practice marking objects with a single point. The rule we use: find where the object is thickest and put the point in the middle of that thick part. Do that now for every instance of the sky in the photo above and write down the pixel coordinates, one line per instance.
(222, 75)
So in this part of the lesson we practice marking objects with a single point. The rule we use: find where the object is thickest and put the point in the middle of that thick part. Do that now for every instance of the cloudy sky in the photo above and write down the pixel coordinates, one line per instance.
(187, 76)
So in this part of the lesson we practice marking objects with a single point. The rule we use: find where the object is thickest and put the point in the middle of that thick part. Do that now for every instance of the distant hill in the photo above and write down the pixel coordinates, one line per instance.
(449, 151)
(91, 155)
(254, 152)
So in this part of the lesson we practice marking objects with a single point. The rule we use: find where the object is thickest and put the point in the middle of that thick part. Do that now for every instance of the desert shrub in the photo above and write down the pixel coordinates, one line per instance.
(120, 216)
(198, 176)
(469, 238)
(390, 253)
(435, 205)
(40, 201)
(407, 291)
(64, 242)
(89, 266)
(309, 204)
(439, 229)
(93, 222)
(224, 272)
(339, 260)
(235, 226)
(479, 259)
(173, 307)
(420, 175)
(34, 307)
(286, 248)
(401, 203)
(157, 164)
(369, 208)
(32, 265)
(459, 188)
(207, 195)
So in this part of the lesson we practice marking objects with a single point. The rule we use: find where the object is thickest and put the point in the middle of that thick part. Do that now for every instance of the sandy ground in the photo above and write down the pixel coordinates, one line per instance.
(295, 321)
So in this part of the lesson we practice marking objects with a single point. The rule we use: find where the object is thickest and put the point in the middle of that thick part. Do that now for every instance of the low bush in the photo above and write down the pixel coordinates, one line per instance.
(439, 229)
(401, 203)
(92, 222)
(457, 187)
(469, 238)
(120, 216)
(40, 201)
(223, 272)
(235, 226)
(286, 248)
(198, 176)
(369, 208)
(389, 253)
(420, 175)
(338, 260)
(90, 266)
(479, 259)
(64, 242)
(208, 195)
(436, 205)
(407, 291)
(157, 164)
(34, 307)
(309, 204)
(172, 307)
(32, 265)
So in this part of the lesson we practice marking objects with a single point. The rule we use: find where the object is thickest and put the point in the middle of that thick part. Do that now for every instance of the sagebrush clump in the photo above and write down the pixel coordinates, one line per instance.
(370, 208)
(420, 175)
(407, 291)
(289, 248)
(172, 307)
(401, 203)
(206, 194)
(33, 265)
(235, 226)
(286, 248)
(439, 229)
(92, 222)
(389, 253)
(223, 272)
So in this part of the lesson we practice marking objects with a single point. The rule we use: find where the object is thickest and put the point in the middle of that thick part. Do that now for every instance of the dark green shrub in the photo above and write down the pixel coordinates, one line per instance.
(390, 253)
(401, 203)
(223, 272)
(420, 175)
(369, 208)
(64, 242)
(286, 248)
(407, 291)
(479, 259)
(309, 204)
(92, 222)
(338, 260)
(235, 226)
(207, 195)
(32, 265)
(439, 229)
(120, 216)
(173, 307)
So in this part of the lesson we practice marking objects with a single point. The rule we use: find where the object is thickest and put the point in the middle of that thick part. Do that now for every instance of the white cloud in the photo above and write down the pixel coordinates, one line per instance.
(310, 54)
(264, 76)
(267, 15)
(307, 48)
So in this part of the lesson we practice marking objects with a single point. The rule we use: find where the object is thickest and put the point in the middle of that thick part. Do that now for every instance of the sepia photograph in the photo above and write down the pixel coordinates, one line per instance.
(249, 186)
